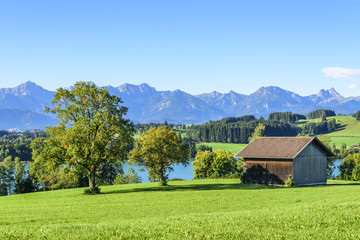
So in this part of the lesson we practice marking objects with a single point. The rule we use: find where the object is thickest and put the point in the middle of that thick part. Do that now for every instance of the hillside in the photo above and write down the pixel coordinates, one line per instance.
(348, 131)
(234, 148)
(203, 209)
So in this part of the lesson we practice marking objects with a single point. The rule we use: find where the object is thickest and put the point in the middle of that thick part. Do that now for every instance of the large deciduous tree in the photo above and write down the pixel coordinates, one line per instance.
(92, 131)
(157, 149)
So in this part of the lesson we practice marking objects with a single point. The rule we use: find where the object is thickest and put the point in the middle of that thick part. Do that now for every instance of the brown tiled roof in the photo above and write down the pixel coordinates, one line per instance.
(278, 147)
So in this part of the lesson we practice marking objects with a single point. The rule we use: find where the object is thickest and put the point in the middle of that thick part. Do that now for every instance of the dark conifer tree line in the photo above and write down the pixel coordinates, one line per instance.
(320, 113)
(17, 144)
(286, 116)
(239, 129)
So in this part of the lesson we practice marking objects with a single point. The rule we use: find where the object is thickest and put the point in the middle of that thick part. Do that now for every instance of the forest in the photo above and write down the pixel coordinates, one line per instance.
(16, 144)
(239, 129)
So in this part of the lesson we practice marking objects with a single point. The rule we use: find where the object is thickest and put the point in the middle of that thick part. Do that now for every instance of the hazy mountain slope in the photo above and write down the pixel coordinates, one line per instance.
(148, 105)
(274, 99)
(25, 96)
(230, 102)
(24, 119)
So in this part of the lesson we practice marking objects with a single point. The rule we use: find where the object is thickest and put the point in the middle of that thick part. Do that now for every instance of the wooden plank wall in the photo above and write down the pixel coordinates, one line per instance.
(310, 166)
(269, 171)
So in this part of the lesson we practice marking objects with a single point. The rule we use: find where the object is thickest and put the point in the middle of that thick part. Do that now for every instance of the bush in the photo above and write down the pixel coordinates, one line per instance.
(289, 182)
(356, 173)
(95, 191)
(129, 177)
(176, 179)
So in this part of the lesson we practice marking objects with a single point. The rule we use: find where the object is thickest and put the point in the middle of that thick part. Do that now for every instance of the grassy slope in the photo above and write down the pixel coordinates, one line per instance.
(348, 133)
(203, 209)
(234, 148)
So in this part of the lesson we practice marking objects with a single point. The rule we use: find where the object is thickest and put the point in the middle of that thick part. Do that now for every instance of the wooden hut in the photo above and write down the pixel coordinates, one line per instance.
(270, 160)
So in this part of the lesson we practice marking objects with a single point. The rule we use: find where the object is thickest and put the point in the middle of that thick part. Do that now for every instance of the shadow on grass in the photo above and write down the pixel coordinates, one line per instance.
(340, 127)
(194, 187)
(329, 185)
(342, 184)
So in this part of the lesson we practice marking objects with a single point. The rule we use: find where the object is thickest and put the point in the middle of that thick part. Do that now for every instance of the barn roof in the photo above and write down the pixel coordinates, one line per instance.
(279, 147)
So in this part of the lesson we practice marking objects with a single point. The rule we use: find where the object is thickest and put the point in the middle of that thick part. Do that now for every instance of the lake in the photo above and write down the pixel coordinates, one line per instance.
(186, 173)
(180, 171)
(336, 168)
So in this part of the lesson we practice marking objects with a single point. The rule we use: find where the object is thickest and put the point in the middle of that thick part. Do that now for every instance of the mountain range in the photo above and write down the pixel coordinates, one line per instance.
(22, 106)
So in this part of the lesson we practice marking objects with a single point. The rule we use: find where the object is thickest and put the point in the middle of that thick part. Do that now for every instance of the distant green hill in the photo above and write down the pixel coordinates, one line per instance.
(201, 209)
(348, 131)
(234, 148)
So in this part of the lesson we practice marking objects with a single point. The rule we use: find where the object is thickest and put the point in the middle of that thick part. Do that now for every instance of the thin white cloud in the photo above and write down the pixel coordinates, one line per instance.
(342, 73)
(353, 86)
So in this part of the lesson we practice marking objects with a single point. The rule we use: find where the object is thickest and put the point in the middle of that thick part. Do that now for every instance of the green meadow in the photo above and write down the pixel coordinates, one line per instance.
(234, 148)
(201, 209)
(348, 131)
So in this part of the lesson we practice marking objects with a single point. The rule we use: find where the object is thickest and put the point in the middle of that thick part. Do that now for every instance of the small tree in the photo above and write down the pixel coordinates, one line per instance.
(356, 173)
(24, 182)
(128, 178)
(203, 164)
(203, 147)
(224, 163)
(214, 164)
(8, 179)
(358, 115)
(91, 132)
(157, 149)
(258, 132)
(350, 167)
(3, 183)
(330, 159)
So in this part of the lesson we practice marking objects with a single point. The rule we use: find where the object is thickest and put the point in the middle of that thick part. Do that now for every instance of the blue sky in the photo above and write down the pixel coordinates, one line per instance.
(195, 46)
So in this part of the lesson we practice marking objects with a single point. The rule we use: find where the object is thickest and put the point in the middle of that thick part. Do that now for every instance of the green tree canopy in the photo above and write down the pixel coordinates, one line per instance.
(157, 149)
(92, 131)
(203, 164)
(224, 163)
(350, 167)
(330, 159)
(214, 164)
(258, 132)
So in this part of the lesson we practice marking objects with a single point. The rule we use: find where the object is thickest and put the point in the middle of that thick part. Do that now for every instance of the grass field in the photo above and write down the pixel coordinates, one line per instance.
(348, 132)
(234, 148)
(202, 209)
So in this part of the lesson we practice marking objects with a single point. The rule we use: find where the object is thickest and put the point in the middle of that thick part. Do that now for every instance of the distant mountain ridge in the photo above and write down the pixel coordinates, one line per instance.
(146, 104)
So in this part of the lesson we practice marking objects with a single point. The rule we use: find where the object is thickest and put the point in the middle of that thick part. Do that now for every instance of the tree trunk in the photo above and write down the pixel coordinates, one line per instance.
(92, 183)
(162, 179)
